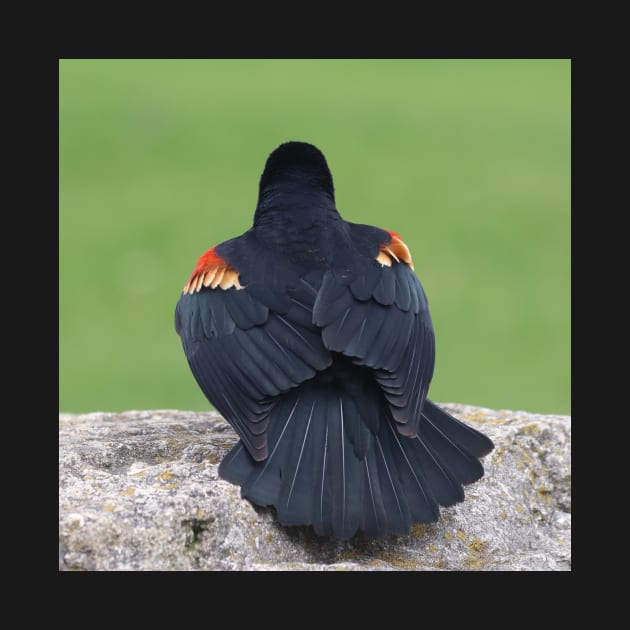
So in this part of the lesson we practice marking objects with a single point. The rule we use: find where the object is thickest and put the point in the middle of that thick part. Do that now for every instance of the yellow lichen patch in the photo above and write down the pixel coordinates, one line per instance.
(545, 495)
(108, 507)
(448, 536)
(338, 568)
(375, 563)
(503, 514)
(480, 416)
(474, 563)
(441, 563)
(175, 444)
(167, 486)
(165, 476)
(418, 530)
(519, 507)
(75, 521)
(529, 460)
(399, 561)
(476, 545)
(498, 453)
(140, 473)
(531, 429)
(433, 548)
(460, 534)
(130, 491)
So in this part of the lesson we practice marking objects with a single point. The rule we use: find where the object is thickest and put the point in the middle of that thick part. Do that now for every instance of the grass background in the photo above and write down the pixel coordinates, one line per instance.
(469, 160)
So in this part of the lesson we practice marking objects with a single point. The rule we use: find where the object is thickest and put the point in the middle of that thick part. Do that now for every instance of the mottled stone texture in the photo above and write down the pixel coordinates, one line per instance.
(139, 491)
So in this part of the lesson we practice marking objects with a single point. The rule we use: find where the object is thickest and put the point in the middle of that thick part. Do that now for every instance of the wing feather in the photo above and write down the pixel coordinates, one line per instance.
(380, 318)
(242, 352)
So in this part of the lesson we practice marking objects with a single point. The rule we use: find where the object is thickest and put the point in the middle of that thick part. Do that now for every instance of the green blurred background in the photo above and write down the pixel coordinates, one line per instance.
(469, 160)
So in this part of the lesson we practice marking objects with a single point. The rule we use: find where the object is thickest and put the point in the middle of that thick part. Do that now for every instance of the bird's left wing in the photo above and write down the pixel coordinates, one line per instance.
(247, 338)
(378, 314)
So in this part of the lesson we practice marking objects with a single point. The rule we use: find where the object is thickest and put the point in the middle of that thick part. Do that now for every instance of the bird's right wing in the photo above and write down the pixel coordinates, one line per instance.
(380, 318)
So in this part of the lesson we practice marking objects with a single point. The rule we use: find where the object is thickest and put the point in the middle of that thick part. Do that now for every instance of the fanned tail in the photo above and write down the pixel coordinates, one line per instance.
(342, 467)
(312, 475)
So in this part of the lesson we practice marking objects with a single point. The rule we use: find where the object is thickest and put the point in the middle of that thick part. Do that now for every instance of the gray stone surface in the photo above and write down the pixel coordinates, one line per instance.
(139, 491)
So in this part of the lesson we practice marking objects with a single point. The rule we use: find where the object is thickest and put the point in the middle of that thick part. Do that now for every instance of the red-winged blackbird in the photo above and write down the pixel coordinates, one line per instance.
(312, 337)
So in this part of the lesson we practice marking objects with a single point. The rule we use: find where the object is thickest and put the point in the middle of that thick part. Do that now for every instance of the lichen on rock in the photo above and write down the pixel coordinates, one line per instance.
(139, 490)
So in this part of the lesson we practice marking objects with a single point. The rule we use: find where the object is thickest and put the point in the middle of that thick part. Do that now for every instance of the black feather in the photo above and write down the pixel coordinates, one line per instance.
(332, 301)
(364, 285)
(385, 290)
(462, 434)
(403, 290)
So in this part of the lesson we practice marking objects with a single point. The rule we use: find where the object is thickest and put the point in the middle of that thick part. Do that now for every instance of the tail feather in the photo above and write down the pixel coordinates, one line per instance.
(346, 475)
(374, 517)
(237, 465)
(422, 504)
(321, 497)
(475, 442)
(445, 487)
(297, 482)
(396, 513)
(462, 464)
(261, 486)
(323, 471)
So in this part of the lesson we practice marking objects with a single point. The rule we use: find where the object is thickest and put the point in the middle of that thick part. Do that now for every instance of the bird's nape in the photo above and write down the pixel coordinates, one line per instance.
(298, 163)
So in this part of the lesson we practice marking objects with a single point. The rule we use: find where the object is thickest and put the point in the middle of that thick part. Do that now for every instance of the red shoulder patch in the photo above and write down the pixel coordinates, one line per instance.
(394, 250)
(212, 271)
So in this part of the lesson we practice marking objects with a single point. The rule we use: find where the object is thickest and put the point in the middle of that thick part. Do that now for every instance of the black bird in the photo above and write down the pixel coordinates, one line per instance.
(312, 337)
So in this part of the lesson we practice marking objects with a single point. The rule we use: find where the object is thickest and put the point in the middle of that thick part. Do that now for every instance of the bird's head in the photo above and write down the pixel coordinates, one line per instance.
(296, 165)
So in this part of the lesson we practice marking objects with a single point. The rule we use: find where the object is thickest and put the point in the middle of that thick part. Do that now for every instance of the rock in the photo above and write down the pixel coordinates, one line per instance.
(139, 491)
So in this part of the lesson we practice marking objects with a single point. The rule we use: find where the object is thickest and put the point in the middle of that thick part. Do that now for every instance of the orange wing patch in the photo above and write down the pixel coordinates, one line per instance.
(212, 271)
(396, 250)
